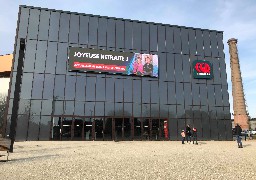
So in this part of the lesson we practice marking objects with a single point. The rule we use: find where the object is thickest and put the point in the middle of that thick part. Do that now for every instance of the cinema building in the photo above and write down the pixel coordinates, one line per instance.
(78, 76)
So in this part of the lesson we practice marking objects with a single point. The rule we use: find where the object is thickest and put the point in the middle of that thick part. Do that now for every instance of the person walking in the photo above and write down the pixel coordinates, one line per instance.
(238, 131)
(183, 135)
(188, 133)
(194, 135)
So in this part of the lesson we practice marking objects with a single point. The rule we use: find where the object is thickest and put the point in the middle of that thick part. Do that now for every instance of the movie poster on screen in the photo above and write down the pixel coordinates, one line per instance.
(126, 63)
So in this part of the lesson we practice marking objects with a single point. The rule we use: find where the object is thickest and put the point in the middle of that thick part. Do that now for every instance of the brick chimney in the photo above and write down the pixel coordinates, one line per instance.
(240, 113)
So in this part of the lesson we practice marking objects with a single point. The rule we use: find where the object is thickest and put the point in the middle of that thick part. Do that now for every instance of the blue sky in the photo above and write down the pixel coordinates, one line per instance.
(235, 17)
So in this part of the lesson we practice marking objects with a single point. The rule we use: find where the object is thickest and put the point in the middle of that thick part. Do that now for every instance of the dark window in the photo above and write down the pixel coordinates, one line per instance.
(80, 88)
(46, 107)
(171, 93)
(51, 57)
(109, 109)
(110, 89)
(119, 34)
(128, 35)
(100, 88)
(186, 68)
(220, 45)
(178, 68)
(48, 86)
(44, 25)
(35, 107)
(30, 56)
(128, 90)
(192, 41)
(59, 86)
(206, 38)
(54, 26)
(111, 33)
(33, 24)
(179, 93)
(24, 106)
(33, 128)
(128, 109)
(74, 28)
(70, 87)
(161, 38)
(45, 126)
(23, 22)
(195, 94)
(119, 89)
(64, 27)
(153, 38)
(61, 67)
(184, 41)
(83, 30)
(40, 56)
(162, 66)
(214, 45)
(38, 83)
(90, 88)
(93, 25)
(145, 38)
(154, 110)
(79, 108)
(102, 32)
(89, 108)
(145, 91)
(203, 94)
(99, 109)
(211, 95)
(137, 36)
(26, 85)
(177, 40)
(69, 107)
(199, 42)
(154, 92)
(163, 92)
(58, 107)
(170, 67)
(137, 110)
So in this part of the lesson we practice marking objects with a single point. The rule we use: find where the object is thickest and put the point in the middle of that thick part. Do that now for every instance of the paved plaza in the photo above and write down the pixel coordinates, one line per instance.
(130, 160)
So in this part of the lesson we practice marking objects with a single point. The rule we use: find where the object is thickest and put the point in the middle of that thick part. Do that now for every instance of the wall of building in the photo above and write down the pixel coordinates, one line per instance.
(48, 88)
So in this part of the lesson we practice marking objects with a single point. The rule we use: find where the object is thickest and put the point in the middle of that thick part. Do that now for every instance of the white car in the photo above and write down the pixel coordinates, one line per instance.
(252, 132)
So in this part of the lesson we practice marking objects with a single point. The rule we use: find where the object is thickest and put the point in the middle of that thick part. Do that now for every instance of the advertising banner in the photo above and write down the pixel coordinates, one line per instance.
(126, 63)
(202, 69)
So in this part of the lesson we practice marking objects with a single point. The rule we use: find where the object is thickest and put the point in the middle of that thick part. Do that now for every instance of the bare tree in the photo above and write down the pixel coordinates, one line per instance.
(3, 102)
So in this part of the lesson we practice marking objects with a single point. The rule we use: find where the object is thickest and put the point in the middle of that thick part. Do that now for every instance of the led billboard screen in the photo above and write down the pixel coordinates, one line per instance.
(126, 63)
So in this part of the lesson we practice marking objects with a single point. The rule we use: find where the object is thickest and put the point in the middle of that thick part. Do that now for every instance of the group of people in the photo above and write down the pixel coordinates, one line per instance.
(140, 69)
(188, 134)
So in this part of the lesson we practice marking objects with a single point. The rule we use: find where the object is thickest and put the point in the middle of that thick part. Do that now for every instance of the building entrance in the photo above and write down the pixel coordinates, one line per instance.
(108, 128)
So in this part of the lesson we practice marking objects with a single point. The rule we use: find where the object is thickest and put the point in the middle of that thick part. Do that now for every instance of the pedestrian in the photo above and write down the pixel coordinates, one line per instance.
(238, 131)
(188, 133)
(194, 134)
(183, 136)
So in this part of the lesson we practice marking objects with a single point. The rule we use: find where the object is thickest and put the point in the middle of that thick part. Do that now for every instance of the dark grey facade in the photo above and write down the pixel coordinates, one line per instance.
(53, 103)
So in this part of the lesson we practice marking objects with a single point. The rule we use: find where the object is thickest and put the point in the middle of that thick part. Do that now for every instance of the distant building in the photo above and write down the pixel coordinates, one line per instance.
(5, 72)
(252, 123)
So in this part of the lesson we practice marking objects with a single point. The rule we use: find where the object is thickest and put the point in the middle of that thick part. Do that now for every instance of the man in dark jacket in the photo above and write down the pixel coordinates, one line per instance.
(188, 133)
(238, 131)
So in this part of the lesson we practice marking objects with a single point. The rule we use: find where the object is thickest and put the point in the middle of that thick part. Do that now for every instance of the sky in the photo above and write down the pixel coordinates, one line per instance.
(235, 17)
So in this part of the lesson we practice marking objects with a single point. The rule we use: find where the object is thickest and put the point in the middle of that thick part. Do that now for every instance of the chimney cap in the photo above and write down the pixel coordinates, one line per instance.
(232, 40)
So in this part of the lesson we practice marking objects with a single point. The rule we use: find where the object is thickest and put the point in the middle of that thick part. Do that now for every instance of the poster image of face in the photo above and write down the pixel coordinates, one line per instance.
(144, 64)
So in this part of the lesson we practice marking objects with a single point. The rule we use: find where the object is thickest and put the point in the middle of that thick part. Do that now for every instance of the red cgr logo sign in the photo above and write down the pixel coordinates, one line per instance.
(202, 69)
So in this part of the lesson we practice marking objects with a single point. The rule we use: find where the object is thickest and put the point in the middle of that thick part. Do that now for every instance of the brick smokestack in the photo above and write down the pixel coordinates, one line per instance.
(240, 113)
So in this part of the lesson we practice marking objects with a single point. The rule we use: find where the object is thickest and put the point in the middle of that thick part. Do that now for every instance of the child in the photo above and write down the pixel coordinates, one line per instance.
(194, 133)
(183, 136)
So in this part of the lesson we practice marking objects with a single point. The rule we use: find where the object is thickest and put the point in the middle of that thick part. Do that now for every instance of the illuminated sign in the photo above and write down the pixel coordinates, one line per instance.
(126, 63)
(202, 69)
